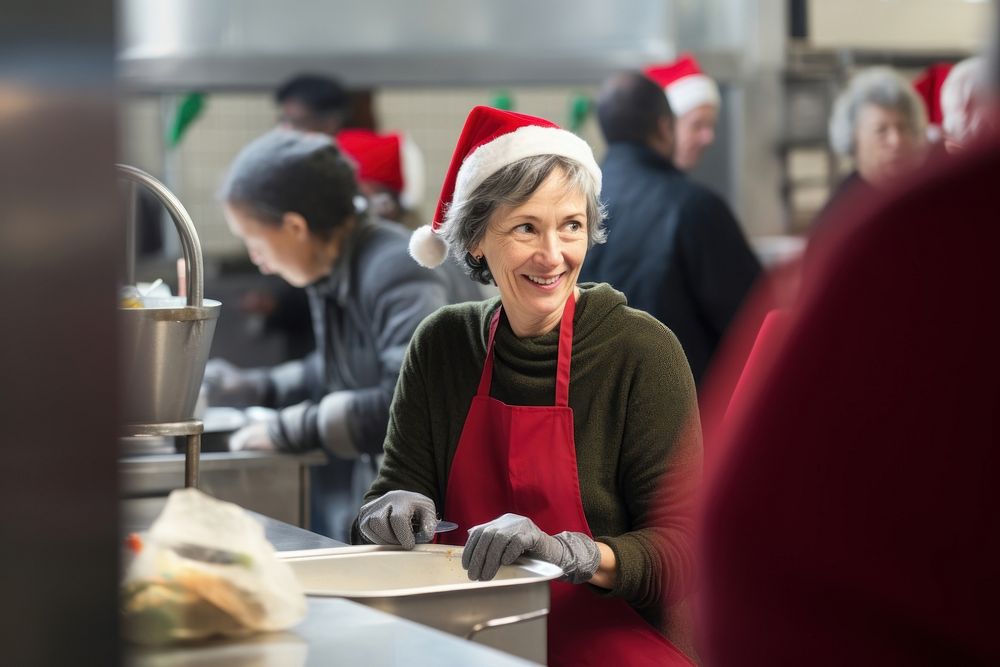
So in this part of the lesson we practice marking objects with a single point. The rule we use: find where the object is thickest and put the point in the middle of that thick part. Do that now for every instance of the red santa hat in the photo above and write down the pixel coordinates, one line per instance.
(491, 140)
(391, 160)
(685, 84)
(928, 85)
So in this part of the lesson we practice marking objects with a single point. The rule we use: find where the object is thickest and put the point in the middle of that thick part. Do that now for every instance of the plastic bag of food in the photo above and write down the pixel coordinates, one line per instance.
(206, 569)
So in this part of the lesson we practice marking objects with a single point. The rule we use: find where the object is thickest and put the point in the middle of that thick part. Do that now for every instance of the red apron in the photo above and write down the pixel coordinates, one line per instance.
(522, 459)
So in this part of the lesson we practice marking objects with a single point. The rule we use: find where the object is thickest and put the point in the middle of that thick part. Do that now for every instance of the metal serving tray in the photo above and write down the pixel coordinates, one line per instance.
(429, 586)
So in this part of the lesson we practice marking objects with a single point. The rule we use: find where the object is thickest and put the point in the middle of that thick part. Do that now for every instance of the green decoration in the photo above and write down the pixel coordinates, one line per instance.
(188, 109)
(502, 99)
(579, 111)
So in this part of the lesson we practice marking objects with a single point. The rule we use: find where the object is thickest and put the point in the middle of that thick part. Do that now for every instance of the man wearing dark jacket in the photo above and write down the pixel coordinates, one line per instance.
(674, 247)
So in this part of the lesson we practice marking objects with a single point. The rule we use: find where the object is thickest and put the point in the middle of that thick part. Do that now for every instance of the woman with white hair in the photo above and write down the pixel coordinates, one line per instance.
(880, 123)
(965, 103)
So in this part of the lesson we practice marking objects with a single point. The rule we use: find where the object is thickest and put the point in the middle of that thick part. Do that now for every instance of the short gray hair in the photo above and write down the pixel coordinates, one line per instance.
(879, 86)
(966, 80)
(465, 224)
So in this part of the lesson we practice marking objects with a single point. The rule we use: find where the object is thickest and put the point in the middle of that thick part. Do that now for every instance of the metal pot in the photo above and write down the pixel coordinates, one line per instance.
(429, 586)
(165, 344)
(164, 351)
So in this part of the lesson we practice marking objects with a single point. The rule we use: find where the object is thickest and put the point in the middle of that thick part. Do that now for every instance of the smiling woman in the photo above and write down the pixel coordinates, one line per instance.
(484, 426)
(534, 252)
(509, 188)
(527, 231)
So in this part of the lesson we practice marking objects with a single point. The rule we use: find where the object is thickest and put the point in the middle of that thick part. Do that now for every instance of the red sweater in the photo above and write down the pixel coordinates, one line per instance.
(853, 513)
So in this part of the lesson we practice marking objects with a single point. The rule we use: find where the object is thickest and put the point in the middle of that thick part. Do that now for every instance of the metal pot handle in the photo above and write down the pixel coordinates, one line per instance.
(190, 243)
(506, 620)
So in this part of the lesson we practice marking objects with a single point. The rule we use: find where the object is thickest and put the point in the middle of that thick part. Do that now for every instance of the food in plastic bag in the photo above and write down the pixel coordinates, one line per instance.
(206, 569)
(129, 298)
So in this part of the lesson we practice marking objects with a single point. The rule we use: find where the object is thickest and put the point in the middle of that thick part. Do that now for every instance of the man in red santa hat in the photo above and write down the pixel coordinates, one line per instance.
(674, 247)
(694, 99)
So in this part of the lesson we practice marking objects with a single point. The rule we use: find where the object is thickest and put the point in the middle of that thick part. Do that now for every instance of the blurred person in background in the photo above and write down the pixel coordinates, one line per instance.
(390, 166)
(694, 98)
(880, 123)
(313, 103)
(967, 102)
(290, 196)
(674, 247)
(310, 103)
(390, 172)
(546, 421)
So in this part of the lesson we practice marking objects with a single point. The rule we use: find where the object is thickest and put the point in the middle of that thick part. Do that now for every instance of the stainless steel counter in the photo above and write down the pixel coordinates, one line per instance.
(335, 632)
(138, 514)
(274, 484)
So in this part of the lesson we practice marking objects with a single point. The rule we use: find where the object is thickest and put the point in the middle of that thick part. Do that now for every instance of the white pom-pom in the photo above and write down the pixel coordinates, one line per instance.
(428, 248)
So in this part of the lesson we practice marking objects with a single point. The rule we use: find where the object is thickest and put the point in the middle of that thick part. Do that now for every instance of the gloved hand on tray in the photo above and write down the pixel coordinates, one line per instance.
(507, 538)
(398, 517)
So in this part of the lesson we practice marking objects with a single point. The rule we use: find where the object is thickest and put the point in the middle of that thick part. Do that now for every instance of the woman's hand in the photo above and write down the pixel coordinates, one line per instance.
(254, 437)
(398, 517)
(505, 539)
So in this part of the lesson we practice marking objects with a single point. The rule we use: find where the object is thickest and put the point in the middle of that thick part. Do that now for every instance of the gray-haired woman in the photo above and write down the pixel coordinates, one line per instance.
(967, 102)
(554, 421)
(880, 123)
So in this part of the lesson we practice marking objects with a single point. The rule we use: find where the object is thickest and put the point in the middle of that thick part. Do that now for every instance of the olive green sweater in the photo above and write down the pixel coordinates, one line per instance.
(638, 440)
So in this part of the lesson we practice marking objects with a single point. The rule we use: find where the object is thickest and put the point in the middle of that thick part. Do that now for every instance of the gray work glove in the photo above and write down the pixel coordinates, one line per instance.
(507, 538)
(292, 429)
(398, 517)
(225, 384)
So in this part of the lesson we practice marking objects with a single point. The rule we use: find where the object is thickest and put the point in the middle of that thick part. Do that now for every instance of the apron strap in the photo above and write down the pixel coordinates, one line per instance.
(565, 353)
(486, 379)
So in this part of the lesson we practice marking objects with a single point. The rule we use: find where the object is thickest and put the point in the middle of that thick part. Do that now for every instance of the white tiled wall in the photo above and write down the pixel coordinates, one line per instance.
(194, 170)
(432, 117)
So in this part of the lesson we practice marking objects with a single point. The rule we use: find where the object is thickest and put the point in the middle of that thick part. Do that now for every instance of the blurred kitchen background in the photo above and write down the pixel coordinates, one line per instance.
(419, 67)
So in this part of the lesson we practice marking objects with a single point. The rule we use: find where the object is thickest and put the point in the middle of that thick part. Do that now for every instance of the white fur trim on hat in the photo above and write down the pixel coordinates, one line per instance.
(428, 248)
(523, 142)
(690, 92)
